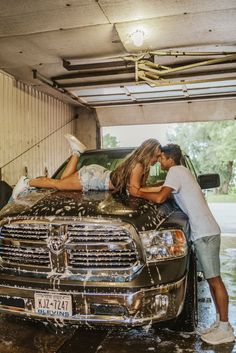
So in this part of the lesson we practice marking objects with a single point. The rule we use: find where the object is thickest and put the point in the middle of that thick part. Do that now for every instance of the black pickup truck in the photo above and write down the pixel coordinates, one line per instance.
(98, 258)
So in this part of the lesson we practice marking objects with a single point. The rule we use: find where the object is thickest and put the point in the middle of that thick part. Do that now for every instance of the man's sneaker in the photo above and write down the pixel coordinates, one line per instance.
(206, 330)
(75, 145)
(22, 185)
(219, 336)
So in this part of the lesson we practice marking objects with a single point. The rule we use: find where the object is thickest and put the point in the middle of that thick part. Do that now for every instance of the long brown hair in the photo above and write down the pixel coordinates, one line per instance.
(143, 154)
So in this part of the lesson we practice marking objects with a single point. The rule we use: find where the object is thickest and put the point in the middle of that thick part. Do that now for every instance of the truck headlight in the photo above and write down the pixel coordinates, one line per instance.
(164, 245)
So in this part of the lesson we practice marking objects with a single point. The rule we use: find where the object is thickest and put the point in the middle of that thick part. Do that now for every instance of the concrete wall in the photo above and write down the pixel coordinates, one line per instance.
(88, 128)
(32, 130)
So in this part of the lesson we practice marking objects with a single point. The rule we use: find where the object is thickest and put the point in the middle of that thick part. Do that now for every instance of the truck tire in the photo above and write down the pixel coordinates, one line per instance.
(188, 318)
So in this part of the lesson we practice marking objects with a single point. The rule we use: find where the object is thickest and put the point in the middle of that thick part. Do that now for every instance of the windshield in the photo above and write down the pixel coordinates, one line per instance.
(110, 159)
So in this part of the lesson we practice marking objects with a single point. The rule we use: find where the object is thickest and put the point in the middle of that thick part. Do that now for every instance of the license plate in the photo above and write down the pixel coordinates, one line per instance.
(54, 305)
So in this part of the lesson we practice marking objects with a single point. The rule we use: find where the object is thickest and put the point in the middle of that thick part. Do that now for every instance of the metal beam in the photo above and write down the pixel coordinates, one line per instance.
(119, 81)
(189, 53)
(163, 82)
(98, 65)
(149, 66)
(92, 73)
(154, 73)
(53, 84)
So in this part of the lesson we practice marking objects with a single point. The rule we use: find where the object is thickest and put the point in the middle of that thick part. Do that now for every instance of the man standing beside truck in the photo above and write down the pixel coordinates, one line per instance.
(205, 235)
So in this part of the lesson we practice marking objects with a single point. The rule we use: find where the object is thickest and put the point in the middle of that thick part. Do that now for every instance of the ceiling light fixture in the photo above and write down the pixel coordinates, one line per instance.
(137, 37)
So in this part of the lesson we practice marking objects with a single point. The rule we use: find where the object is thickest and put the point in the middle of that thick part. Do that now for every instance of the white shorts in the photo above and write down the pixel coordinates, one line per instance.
(94, 177)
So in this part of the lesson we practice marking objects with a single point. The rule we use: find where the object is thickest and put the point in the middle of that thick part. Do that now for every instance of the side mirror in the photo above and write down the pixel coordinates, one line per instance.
(208, 181)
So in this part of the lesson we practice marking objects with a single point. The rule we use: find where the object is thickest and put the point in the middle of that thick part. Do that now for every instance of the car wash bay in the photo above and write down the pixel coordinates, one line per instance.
(73, 67)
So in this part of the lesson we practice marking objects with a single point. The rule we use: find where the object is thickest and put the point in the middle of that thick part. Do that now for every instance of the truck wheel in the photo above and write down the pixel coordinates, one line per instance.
(188, 319)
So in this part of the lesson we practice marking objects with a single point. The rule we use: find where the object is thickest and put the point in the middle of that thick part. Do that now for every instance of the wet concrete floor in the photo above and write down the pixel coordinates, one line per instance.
(27, 337)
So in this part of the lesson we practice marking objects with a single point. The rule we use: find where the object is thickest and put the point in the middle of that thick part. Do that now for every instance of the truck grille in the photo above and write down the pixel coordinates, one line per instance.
(97, 233)
(102, 259)
(24, 231)
(24, 255)
(99, 246)
(85, 245)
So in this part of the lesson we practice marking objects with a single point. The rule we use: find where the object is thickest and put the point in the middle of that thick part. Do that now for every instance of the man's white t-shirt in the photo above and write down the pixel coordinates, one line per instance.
(189, 197)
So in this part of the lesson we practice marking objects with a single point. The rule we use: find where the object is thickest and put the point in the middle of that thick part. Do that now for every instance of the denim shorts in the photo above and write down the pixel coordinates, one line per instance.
(94, 177)
(207, 251)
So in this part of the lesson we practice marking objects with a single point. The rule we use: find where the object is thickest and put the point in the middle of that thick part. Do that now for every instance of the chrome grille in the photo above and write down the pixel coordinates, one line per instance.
(102, 259)
(88, 245)
(24, 255)
(100, 246)
(25, 231)
(24, 245)
(97, 233)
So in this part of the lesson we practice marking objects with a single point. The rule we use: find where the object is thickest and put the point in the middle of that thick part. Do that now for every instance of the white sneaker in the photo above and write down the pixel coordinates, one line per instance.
(21, 185)
(75, 145)
(219, 336)
(206, 330)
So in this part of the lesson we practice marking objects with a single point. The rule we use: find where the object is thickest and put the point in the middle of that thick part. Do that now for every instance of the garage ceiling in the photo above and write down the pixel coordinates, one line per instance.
(83, 50)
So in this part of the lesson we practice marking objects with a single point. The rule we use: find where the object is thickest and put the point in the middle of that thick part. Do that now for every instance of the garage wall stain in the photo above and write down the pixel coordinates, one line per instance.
(32, 130)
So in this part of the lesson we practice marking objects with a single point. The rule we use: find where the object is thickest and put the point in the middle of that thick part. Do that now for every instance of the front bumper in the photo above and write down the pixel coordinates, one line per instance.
(103, 306)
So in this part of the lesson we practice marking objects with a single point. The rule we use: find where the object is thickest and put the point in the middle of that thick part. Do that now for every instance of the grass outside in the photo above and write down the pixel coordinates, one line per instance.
(220, 198)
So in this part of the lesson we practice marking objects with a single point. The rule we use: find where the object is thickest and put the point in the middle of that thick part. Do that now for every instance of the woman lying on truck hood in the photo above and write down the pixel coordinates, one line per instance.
(131, 174)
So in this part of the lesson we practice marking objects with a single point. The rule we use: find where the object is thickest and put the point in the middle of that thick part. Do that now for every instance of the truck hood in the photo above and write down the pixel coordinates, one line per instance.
(48, 204)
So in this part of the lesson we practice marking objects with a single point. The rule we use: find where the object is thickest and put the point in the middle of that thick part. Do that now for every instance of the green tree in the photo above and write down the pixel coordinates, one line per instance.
(212, 147)
(110, 141)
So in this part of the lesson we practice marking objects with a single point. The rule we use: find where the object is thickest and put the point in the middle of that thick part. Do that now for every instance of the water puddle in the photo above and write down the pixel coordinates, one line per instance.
(19, 336)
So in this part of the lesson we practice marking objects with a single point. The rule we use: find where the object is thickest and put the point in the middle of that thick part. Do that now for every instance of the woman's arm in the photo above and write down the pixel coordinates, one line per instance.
(135, 182)
(150, 193)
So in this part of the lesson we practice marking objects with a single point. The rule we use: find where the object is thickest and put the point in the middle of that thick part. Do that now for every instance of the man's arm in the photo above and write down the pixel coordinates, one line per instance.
(150, 188)
(158, 197)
